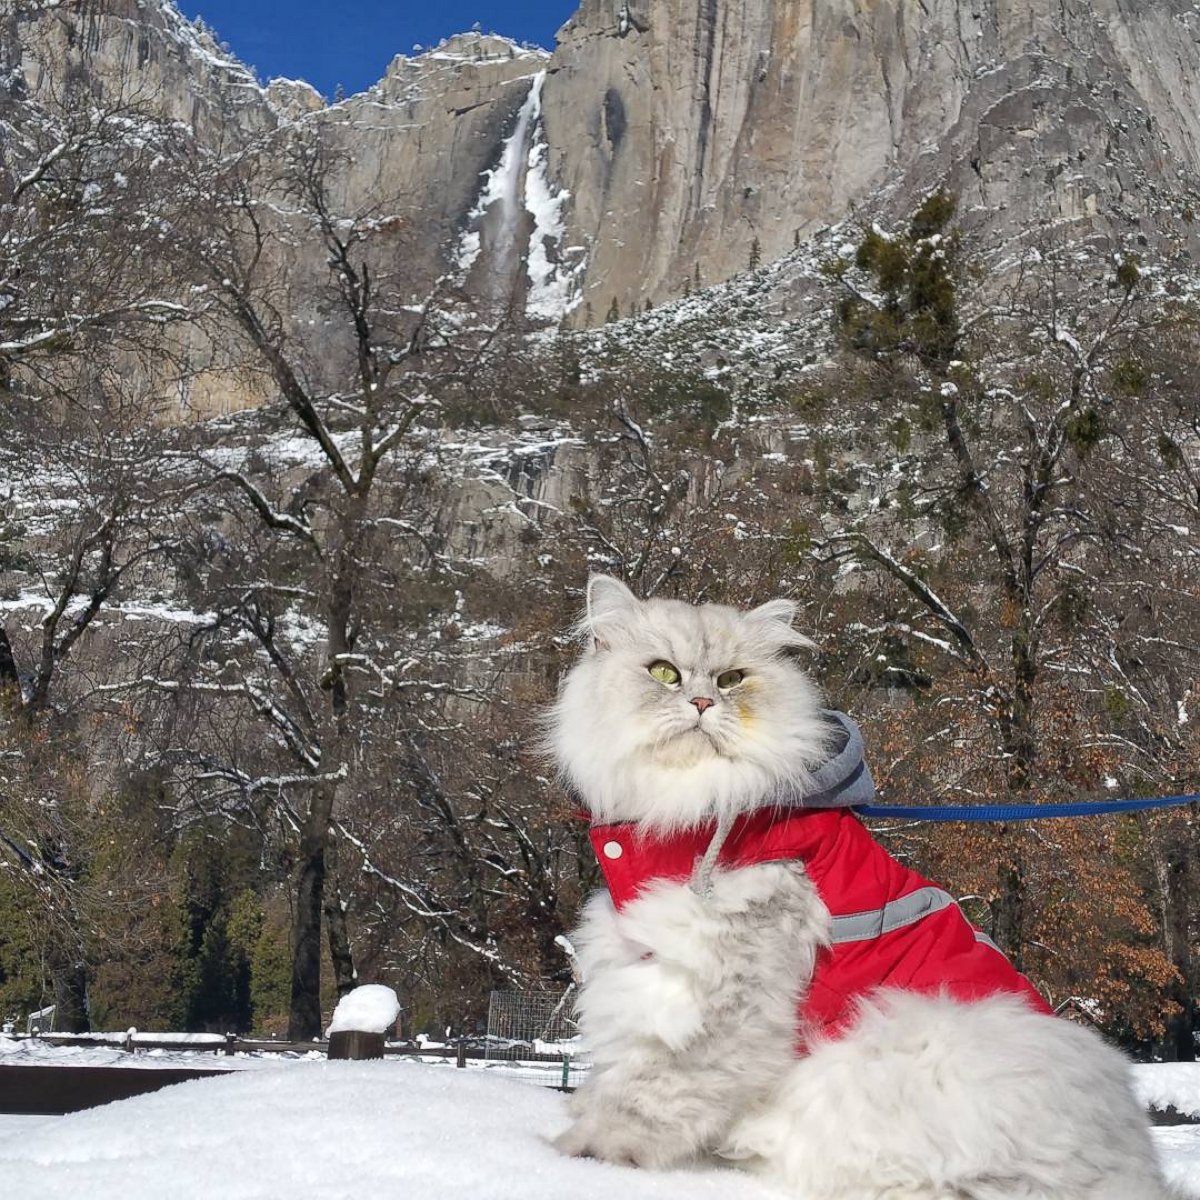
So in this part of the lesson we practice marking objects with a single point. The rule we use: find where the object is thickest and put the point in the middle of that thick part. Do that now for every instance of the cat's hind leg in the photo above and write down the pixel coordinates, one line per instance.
(988, 1100)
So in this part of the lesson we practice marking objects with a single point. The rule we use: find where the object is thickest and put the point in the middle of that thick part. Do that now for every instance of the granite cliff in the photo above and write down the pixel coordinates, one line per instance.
(687, 129)
(663, 142)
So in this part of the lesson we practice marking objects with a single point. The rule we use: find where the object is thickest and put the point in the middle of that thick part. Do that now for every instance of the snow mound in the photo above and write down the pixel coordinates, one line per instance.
(333, 1129)
(372, 1008)
(1169, 1085)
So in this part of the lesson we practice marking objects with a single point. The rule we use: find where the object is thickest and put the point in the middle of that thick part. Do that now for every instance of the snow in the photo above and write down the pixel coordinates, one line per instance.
(396, 1128)
(332, 1129)
(1163, 1085)
(475, 47)
(371, 1008)
(166, 613)
(554, 286)
(90, 1051)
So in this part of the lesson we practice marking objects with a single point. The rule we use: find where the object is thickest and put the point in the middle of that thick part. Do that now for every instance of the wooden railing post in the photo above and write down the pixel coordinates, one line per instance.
(354, 1043)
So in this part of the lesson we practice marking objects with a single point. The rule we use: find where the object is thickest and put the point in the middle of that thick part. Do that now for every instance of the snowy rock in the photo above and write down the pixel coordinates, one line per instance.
(294, 97)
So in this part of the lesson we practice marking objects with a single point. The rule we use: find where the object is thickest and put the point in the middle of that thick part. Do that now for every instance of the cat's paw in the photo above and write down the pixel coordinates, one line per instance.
(621, 1139)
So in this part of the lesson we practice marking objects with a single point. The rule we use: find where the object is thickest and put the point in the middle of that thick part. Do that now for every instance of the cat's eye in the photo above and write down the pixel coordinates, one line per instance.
(664, 672)
(728, 679)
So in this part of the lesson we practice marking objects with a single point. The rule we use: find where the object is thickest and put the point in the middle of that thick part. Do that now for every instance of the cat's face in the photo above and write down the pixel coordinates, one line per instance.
(675, 714)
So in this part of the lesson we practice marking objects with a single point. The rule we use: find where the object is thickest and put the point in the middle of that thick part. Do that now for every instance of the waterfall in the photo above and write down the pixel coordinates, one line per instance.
(513, 236)
(496, 225)
(510, 193)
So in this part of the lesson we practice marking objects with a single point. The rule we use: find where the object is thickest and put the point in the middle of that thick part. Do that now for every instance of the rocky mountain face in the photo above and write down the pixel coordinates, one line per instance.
(674, 140)
(687, 129)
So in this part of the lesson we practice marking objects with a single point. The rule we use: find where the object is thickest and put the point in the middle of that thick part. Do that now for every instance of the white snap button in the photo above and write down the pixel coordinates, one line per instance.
(613, 850)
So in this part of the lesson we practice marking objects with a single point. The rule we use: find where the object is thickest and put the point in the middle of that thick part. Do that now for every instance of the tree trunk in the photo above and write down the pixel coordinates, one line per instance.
(341, 953)
(69, 976)
(1008, 912)
(304, 1017)
(1020, 745)
(1174, 877)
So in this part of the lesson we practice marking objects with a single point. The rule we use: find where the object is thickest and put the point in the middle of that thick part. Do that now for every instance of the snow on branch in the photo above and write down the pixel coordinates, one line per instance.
(262, 703)
(272, 517)
(418, 902)
(917, 586)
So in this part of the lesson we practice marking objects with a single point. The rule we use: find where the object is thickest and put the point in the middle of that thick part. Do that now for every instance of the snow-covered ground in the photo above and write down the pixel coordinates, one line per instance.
(403, 1129)
(332, 1130)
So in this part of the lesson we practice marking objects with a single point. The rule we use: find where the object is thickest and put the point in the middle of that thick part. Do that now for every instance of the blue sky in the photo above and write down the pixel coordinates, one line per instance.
(352, 42)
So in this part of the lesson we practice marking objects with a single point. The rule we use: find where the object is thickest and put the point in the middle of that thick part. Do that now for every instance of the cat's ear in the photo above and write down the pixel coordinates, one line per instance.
(778, 615)
(609, 604)
(780, 610)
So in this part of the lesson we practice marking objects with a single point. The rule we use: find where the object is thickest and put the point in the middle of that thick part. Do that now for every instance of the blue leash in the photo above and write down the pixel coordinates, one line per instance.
(1019, 812)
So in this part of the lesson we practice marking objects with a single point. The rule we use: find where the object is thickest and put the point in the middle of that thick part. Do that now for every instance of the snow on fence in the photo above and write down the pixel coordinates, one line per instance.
(533, 1036)
(551, 1061)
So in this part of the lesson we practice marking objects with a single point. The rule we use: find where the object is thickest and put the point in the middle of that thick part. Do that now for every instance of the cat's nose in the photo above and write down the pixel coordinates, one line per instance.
(701, 703)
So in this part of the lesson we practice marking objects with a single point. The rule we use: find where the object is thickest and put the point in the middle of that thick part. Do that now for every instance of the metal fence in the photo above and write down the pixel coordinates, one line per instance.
(41, 1021)
(533, 1036)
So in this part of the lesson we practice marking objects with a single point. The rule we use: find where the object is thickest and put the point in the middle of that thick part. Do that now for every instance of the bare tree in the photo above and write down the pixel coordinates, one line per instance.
(85, 303)
(365, 393)
(1026, 533)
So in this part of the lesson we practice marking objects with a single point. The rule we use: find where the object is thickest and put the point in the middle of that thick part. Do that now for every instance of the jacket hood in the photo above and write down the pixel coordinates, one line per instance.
(843, 779)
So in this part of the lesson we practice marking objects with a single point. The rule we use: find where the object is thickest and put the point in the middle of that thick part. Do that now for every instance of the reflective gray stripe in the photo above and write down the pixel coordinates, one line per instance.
(896, 914)
(980, 936)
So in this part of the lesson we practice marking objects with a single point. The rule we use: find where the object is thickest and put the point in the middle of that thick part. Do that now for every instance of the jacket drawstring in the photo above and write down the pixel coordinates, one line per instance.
(702, 873)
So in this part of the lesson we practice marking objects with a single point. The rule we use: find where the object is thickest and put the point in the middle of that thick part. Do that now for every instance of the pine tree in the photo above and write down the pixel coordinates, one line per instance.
(614, 311)
(755, 254)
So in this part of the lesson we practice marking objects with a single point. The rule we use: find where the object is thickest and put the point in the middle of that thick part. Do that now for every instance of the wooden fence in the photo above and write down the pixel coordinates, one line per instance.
(459, 1049)
(53, 1088)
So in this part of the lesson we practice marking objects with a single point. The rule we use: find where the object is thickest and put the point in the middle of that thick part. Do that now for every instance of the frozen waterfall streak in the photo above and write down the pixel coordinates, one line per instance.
(494, 225)
(506, 259)
(518, 207)
(555, 281)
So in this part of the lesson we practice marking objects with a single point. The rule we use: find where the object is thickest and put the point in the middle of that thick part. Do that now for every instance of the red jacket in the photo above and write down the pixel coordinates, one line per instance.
(891, 927)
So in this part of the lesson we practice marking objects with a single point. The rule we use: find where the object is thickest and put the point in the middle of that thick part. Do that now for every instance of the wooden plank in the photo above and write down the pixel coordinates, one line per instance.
(355, 1044)
(52, 1091)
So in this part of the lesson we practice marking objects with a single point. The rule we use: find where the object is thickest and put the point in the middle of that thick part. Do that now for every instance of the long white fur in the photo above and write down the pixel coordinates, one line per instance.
(689, 1001)
(637, 750)
(689, 1008)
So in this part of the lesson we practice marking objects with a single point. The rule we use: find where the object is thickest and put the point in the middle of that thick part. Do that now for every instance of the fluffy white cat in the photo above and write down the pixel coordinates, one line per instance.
(698, 746)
